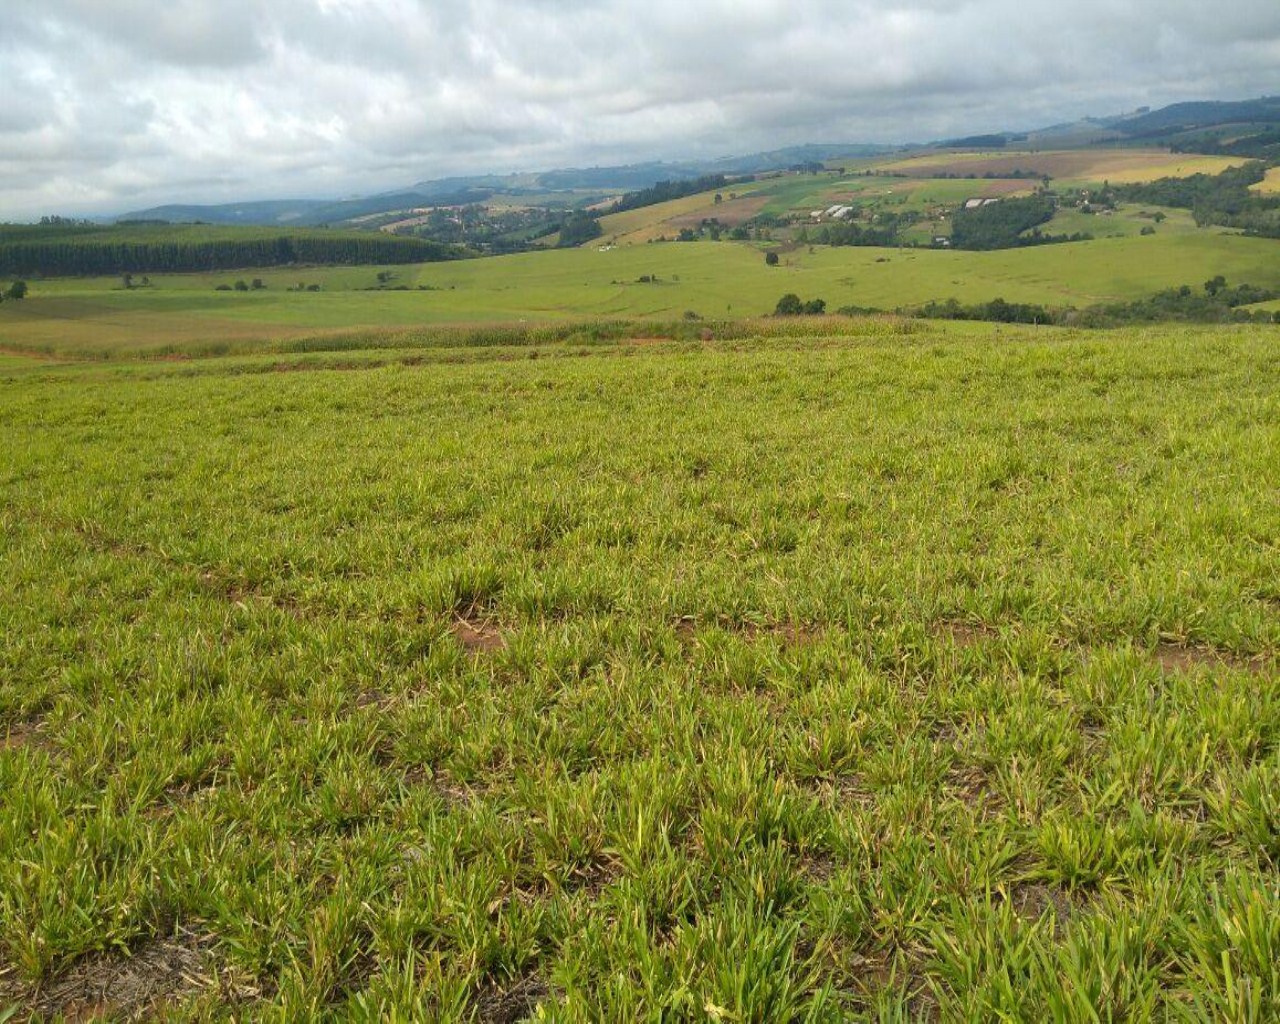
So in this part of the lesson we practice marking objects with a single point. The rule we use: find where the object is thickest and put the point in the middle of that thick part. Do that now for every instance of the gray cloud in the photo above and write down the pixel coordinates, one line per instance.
(113, 103)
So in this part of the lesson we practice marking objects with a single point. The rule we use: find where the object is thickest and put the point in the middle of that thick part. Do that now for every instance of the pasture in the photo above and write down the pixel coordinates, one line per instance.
(883, 669)
(181, 314)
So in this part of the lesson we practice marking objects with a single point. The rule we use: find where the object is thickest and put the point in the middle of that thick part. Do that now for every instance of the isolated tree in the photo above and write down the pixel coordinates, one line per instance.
(17, 290)
(771, 259)
(815, 307)
(126, 281)
(789, 305)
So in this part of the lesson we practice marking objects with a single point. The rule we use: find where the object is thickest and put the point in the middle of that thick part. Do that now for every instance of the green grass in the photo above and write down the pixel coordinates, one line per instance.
(1125, 222)
(715, 280)
(923, 671)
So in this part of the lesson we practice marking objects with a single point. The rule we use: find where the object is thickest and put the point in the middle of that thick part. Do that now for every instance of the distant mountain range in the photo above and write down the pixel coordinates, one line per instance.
(1166, 126)
(457, 191)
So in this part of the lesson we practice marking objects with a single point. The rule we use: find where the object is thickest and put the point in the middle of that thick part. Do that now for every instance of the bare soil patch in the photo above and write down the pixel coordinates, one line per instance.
(17, 735)
(158, 974)
(1031, 900)
(852, 789)
(819, 866)
(511, 1003)
(730, 213)
(1003, 187)
(1084, 164)
(791, 634)
(971, 785)
(478, 636)
(1177, 658)
(965, 633)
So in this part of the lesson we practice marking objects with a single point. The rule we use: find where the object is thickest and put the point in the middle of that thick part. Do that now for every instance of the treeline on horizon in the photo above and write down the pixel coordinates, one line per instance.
(1261, 145)
(665, 191)
(81, 250)
(1213, 302)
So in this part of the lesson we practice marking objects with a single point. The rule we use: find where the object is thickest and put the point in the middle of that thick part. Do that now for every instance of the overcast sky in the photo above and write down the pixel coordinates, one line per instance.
(108, 105)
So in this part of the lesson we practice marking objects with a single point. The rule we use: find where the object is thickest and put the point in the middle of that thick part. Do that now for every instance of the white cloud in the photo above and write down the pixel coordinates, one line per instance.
(116, 103)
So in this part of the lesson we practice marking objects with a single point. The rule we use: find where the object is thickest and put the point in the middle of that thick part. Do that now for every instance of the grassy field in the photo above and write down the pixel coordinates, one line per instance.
(1125, 221)
(183, 313)
(1271, 183)
(915, 671)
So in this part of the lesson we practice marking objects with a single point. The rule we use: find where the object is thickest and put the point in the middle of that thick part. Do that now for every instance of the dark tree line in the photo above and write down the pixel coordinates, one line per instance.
(1000, 225)
(120, 251)
(663, 191)
(1261, 145)
(579, 228)
(847, 233)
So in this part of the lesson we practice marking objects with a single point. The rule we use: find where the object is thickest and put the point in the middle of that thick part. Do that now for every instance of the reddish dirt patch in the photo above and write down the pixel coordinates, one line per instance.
(791, 634)
(730, 213)
(18, 735)
(794, 634)
(1004, 187)
(478, 636)
(158, 974)
(965, 634)
(686, 630)
(1176, 658)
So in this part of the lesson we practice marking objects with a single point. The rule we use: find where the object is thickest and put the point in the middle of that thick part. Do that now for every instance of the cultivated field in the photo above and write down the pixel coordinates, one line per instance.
(877, 668)
(1119, 166)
